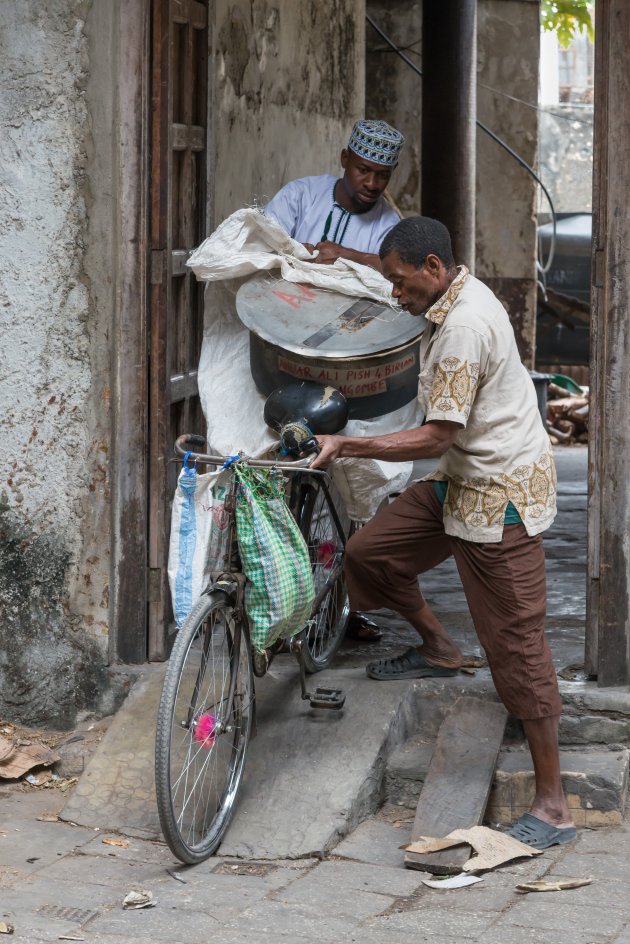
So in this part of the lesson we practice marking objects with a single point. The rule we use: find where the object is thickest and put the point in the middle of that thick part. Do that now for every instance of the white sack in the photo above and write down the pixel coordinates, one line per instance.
(365, 483)
(231, 404)
(249, 242)
(245, 243)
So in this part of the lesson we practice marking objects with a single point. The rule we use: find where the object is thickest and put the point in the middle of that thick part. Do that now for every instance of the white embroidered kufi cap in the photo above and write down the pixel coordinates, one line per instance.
(376, 141)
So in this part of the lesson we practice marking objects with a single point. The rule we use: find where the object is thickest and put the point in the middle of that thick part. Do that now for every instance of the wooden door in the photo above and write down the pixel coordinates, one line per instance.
(179, 45)
(608, 587)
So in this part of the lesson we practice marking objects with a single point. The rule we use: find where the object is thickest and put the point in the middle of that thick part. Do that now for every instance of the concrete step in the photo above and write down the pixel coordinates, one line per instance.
(310, 776)
(117, 788)
(595, 782)
(592, 716)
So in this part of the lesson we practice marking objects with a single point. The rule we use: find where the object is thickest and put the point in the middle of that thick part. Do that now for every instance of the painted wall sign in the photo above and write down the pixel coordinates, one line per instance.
(351, 381)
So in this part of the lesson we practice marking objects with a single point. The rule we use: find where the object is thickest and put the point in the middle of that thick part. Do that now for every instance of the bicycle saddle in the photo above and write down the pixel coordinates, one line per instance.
(322, 408)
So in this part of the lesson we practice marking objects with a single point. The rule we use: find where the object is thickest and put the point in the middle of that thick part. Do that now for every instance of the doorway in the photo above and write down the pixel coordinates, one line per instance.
(178, 213)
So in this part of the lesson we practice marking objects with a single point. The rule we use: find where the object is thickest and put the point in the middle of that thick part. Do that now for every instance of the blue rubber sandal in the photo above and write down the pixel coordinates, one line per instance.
(411, 664)
(538, 834)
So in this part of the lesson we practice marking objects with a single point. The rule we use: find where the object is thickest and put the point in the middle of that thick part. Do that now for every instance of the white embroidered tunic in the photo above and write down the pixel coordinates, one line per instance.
(471, 374)
(302, 208)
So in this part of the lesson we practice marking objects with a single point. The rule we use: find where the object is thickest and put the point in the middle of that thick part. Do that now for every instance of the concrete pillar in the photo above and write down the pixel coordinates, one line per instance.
(449, 106)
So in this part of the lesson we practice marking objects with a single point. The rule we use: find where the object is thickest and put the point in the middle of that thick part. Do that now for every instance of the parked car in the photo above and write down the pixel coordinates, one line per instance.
(563, 309)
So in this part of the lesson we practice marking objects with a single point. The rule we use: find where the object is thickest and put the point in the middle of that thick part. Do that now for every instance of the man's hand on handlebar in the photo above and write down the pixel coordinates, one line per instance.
(329, 449)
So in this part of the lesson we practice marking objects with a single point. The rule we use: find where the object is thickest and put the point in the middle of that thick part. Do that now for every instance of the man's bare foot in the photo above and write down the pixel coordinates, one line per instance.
(437, 646)
(449, 657)
(557, 814)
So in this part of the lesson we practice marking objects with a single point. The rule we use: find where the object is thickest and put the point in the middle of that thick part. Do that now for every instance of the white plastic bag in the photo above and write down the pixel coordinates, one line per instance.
(199, 536)
(365, 483)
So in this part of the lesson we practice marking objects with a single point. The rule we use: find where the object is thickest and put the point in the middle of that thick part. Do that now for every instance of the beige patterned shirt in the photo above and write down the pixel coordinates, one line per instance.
(471, 373)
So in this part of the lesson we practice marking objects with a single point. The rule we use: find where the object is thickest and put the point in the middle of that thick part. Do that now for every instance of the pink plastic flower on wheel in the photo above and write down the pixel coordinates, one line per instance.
(205, 730)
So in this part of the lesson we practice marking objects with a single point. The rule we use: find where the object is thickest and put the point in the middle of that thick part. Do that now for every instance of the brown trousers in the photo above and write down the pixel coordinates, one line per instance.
(504, 583)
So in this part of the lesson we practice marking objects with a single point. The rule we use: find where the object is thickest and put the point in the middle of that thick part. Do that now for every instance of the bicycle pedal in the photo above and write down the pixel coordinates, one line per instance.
(328, 698)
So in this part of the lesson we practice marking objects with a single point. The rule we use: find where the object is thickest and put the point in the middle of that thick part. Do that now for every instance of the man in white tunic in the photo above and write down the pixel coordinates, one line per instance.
(346, 217)
(486, 505)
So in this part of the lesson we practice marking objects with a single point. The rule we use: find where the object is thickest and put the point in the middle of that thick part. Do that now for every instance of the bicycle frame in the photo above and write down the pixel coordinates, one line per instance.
(209, 688)
(231, 579)
(299, 468)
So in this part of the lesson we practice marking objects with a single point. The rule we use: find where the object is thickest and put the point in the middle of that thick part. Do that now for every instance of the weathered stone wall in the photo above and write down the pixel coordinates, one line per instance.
(508, 53)
(53, 386)
(509, 49)
(288, 86)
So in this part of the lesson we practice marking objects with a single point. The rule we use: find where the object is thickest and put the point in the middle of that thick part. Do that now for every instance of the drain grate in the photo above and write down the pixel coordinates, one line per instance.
(80, 915)
(245, 868)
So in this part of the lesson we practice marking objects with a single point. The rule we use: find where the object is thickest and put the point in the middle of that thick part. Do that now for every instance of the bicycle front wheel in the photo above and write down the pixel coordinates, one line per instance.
(203, 729)
(326, 545)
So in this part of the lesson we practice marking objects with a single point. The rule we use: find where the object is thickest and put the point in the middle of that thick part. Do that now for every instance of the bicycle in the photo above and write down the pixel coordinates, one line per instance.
(207, 711)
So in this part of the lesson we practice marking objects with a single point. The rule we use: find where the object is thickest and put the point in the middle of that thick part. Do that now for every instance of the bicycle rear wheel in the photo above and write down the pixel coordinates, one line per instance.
(200, 750)
(326, 545)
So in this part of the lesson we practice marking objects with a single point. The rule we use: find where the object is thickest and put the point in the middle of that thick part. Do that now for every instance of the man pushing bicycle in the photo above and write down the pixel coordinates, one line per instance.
(488, 502)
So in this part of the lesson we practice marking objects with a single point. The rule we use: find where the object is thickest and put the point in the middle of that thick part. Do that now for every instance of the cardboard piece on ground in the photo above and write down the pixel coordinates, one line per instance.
(16, 760)
(458, 782)
(551, 885)
(492, 848)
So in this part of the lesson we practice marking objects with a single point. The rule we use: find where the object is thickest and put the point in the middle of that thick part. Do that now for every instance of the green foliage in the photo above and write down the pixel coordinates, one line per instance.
(567, 18)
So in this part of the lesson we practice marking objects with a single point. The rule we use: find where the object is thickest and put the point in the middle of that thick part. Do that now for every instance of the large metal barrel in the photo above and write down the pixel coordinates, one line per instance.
(366, 349)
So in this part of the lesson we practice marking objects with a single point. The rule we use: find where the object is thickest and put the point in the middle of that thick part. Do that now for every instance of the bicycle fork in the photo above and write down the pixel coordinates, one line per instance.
(231, 585)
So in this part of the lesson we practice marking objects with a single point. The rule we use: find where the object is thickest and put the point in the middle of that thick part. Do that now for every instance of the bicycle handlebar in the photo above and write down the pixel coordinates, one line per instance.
(183, 443)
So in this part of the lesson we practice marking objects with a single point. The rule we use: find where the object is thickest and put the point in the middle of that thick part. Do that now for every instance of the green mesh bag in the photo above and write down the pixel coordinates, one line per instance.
(279, 591)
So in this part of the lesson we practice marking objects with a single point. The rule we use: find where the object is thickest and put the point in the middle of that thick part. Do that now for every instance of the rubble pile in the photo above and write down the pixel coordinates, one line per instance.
(567, 415)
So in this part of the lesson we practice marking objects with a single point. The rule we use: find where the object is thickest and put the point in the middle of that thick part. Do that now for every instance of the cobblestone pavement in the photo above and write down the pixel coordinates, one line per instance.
(64, 882)
(60, 882)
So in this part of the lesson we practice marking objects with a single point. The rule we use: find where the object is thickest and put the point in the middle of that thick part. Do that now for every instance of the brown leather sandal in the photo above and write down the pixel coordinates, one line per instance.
(362, 629)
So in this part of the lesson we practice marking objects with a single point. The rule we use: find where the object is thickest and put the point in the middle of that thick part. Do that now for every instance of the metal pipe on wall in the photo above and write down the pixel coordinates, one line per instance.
(449, 109)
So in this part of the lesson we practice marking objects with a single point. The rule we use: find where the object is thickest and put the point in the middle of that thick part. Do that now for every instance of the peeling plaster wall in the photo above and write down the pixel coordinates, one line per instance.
(54, 503)
(508, 53)
(288, 86)
(394, 90)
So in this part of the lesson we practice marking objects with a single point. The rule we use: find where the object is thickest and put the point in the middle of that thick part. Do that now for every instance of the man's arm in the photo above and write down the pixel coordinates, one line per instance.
(423, 442)
(329, 252)
(284, 208)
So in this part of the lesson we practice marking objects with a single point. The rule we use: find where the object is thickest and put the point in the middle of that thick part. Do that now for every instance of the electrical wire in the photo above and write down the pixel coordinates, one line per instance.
(513, 98)
(495, 137)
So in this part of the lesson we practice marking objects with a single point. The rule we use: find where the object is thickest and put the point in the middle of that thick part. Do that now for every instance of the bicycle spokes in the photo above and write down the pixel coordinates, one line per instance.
(205, 721)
